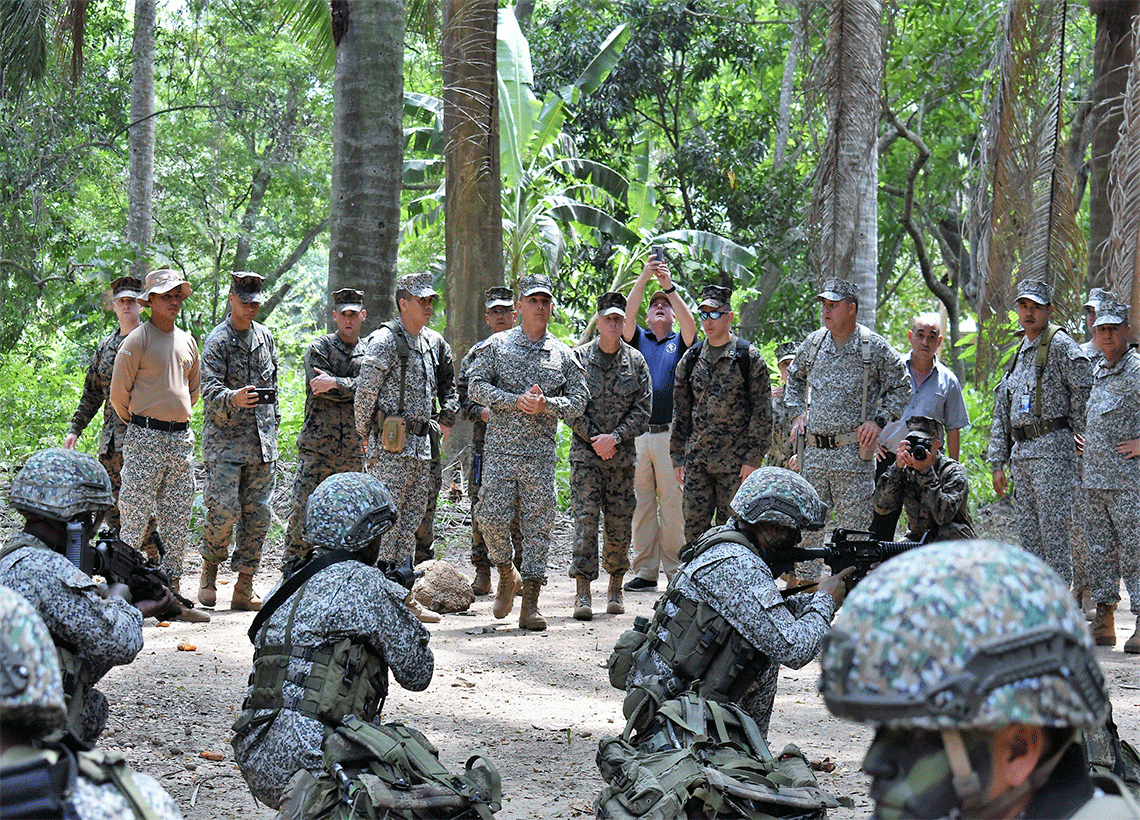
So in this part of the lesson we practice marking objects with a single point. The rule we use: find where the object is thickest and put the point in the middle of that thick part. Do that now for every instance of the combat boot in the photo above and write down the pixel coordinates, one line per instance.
(1132, 645)
(245, 599)
(530, 618)
(1104, 627)
(482, 583)
(207, 586)
(425, 615)
(615, 605)
(509, 581)
(185, 613)
(583, 605)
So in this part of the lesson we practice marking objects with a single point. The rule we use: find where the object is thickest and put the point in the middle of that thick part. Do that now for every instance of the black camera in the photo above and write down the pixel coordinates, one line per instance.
(919, 446)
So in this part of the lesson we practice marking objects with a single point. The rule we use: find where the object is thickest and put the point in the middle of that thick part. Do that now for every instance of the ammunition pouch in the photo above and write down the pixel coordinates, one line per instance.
(393, 432)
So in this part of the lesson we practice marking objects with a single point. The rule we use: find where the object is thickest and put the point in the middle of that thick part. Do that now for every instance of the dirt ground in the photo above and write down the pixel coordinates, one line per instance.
(534, 703)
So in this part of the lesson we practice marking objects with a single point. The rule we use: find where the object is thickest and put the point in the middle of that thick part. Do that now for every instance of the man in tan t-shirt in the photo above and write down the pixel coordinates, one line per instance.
(153, 387)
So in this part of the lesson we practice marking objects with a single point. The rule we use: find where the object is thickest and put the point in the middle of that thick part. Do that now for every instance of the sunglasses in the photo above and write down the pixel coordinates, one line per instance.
(711, 314)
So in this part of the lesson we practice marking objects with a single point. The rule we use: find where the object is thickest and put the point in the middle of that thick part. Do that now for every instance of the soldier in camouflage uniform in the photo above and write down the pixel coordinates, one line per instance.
(845, 385)
(603, 454)
(345, 621)
(97, 389)
(94, 628)
(780, 450)
(32, 708)
(239, 442)
(327, 443)
(722, 620)
(1034, 422)
(722, 415)
(974, 665)
(1112, 473)
(499, 305)
(445, 411)
(529, 380)
(934, 490)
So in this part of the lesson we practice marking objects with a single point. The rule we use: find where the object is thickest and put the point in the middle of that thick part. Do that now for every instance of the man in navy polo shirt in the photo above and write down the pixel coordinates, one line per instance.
(658, 523)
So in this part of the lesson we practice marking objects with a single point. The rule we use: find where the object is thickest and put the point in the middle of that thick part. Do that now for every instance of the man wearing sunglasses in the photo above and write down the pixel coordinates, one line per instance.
(722, 415)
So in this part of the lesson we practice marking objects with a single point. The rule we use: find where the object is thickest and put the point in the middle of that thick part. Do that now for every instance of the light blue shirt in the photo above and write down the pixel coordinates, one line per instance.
(939, 397)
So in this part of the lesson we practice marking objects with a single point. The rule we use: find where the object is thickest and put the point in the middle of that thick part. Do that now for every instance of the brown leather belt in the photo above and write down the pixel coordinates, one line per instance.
(1039, 428)
(832, 442)
(159, 424)
(658, 428)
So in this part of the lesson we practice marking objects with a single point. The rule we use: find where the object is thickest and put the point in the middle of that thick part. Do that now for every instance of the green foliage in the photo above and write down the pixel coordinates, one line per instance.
(975, 441)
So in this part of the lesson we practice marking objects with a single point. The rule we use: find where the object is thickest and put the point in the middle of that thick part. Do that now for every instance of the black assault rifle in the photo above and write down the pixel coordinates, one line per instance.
(120, 563)
(853, 548)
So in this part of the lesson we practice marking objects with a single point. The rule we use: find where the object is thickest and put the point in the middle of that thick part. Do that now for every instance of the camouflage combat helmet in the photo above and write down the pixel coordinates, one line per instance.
(962, 635)
(61, 484)
(779, 496)
(348, 511)
(31, 686)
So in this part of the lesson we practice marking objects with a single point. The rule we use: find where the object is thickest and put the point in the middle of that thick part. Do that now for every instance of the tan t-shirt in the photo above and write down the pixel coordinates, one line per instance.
(156, 374)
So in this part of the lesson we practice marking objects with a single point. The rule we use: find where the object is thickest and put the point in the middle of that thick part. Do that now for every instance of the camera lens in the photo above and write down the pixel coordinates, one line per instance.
(918, 452)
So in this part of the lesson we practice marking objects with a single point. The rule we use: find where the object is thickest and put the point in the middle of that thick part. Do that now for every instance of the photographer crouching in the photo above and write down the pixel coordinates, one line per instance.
(930, 486)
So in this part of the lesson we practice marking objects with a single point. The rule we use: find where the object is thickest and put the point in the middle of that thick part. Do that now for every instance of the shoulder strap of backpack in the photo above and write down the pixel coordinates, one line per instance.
(401, 351)
(111, 767)
(744, 362)
(812, 353)
(293, 583)
(865, 346)
(1043, 358)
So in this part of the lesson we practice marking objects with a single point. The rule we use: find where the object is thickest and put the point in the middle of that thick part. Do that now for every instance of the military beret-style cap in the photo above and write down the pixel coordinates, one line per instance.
(126, 287)
(786, 350)
(417, 284)
(925, 425)
(1096, 296)
(611, 302)
(536, 283)
(164, 280)
(246, 285)
(348, 299)
(836, 290)
(716, 297)
(1035, 290)
(1111, 312)
(498, 296)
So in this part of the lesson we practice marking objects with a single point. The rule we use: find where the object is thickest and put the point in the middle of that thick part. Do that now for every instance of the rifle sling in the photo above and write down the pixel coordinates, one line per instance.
(293, 583)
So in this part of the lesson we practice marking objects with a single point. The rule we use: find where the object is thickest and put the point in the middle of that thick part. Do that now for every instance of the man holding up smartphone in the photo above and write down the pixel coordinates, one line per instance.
(239, 441)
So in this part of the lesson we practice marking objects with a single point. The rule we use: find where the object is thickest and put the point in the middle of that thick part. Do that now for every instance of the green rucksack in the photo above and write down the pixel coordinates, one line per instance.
(706, 759)
(390, 771)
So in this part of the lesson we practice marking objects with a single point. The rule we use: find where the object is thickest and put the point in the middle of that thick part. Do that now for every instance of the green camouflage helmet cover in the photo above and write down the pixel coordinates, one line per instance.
(779, 496)
(962, 635)
(348, 511)
(61, 484)
(31, 686)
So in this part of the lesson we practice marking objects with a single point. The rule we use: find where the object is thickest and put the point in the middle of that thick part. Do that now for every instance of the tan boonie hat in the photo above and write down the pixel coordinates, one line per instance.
(1035, 290)
(348, 299)
(498, 296)
(926, 425)
(1111, 312)
(611, 302)
(716, 297)
(536, 283)
(837, 290)
(164, 280)
(126, 287)
(417, 284)
(661, 296)
(246, 285)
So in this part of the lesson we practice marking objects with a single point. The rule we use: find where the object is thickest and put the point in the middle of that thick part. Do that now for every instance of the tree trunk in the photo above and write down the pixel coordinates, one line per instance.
(368, 107)
(140, 140)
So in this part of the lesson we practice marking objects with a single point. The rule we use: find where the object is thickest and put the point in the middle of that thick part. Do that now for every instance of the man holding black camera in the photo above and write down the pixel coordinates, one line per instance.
(931, 487)
(239, 441)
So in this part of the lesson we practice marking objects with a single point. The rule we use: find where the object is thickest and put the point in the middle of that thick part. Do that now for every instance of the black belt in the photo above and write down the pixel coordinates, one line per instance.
(658, 428)
(1039, 428)
(158, 424)
(417, 428)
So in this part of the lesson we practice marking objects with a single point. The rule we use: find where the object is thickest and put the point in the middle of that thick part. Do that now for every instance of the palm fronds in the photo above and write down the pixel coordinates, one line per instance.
(1124, 195)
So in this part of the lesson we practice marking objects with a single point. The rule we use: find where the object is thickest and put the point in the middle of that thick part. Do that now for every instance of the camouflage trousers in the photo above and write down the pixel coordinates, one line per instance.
(1043, 502)
(1079, 534)
(407, 479)
(312, 469)
(706, 494)
(425, 533)
(158, 482)
(658, 520)
(237, 498)
(597, 490)
(479, 557)
(846, 492)
(1114, 545)
(113, 463)
(761, 696)
(522, 487)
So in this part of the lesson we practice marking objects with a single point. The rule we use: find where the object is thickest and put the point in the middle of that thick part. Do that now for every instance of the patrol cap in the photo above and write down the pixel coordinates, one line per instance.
(163, 280)
(246, 285)
(1111, 312)
(836, 290)
(1096, 296)
(611, 302)
(660, 296)
(925, 425)
(348, 299)
(417, 284)
(498, 296)
(786, 351)
(126, 287)
(716, 297)
(1035, 290)
(536, 283)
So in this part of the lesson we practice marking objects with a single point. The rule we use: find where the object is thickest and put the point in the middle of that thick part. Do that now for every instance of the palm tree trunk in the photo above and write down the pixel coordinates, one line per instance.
(140, 193)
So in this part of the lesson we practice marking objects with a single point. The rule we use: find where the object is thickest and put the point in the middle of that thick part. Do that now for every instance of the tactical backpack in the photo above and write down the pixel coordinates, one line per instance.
(390, 771)
(699, 758)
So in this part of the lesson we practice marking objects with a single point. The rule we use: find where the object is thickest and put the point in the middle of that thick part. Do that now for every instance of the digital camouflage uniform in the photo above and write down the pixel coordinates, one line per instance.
(239, 445)
(719, 425)
(328, 443)
(780, 450)
(621, 397)
(1044, 467)
(1113, 482)
(406, 474)
(936, 499)
(519, 451)
(445, 412)
(835, 378)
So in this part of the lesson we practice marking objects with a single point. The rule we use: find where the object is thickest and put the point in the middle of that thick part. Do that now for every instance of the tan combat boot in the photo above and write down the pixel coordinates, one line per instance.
(207, 586)
(187, 614)
(509, 581)
(583, 605)
(615, 605)
(426, 616)
(245, 599)
(1104, 627)
(530, 618)
(482, 583)
(1132, 645)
